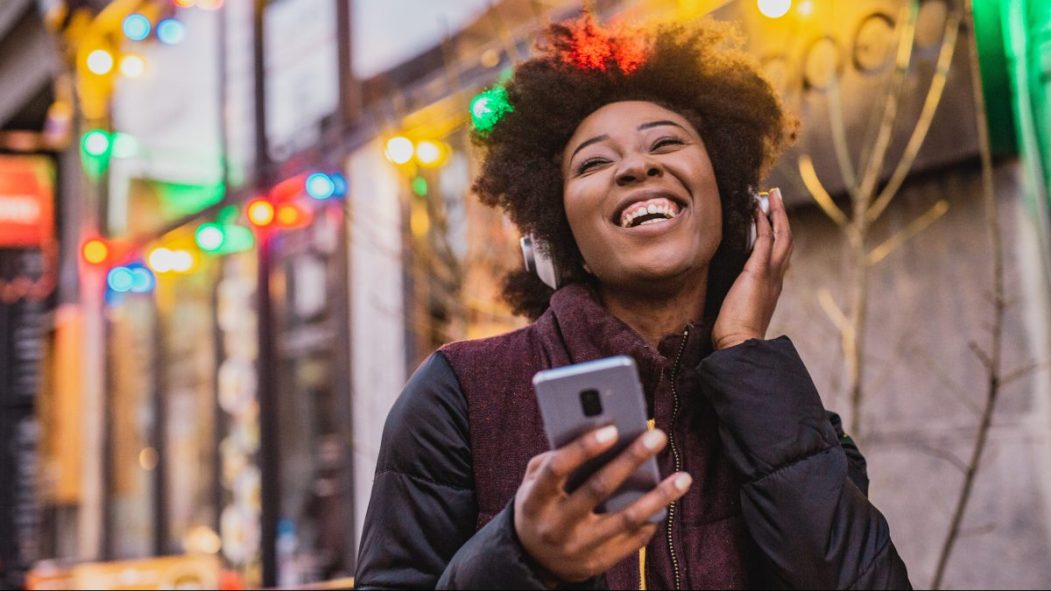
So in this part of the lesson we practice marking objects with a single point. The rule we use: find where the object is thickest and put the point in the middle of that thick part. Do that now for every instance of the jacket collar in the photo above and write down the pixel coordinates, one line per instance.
(588, 331)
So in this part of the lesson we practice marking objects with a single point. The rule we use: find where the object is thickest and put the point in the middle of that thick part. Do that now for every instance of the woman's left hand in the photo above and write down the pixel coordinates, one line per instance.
(750, 303)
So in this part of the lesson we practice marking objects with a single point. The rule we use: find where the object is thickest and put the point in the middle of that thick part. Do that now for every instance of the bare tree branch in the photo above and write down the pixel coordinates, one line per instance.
(981, 354)
(994, 357)
(923, 124)
(937, 452)
(1022, 371)
(915, 227)
(818, 192)
(903, 58)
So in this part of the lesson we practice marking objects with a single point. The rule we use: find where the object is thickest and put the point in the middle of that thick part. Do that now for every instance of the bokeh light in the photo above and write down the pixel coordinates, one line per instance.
(120, 279)
(95, 251)
(170, 31)
(775, 8)
(125, 145)
(132, 66)
(489, 107)
(137, 27)
(209, 237)
(320, 186)
(142, 280)
(429, 153)
(260, 213)
(160, 260)
(96, 142)
(399, 150)
(100, 62)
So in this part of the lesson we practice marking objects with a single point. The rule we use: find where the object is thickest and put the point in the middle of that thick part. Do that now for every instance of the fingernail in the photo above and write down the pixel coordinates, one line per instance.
(778, 191)
(682, 481)
(606, 434)
(652, 440)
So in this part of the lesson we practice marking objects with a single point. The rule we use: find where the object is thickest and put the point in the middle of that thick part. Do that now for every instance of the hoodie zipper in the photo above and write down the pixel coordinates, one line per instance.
(672, 509)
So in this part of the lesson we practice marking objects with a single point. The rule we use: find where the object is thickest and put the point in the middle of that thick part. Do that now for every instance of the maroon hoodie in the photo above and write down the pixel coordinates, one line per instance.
(703, 543)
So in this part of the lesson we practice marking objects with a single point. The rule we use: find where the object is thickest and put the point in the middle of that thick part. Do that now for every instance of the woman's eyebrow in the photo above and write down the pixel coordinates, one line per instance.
(586, 143)
(603, 137)
(659, 123)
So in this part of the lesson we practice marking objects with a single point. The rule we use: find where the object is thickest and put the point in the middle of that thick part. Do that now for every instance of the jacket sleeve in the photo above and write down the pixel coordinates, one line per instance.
(803, 496)
(419, 530)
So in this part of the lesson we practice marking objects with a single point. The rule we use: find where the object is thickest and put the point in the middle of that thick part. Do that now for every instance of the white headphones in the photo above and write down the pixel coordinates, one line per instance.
(537, 255)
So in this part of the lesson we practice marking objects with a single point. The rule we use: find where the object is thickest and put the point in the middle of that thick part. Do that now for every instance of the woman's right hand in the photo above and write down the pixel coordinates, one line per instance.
(562, 532)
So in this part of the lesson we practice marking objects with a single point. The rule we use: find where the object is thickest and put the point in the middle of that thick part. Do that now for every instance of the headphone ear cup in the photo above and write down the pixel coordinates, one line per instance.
(538, 261)
(528, 254)
(760, 200)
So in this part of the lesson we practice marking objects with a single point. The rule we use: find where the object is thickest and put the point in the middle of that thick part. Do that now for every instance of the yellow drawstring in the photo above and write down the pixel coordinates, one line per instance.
(651, 424)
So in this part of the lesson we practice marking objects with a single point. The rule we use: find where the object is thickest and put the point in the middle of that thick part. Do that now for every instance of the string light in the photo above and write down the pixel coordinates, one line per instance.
(320, 186)
(399, 150)
(100, 62)
(488, 108)
(96, 143)
(124, 145)
(419, 186)
(137, 27)
(430, 153)
(95, 251)
(774, 8)
(132, 66)
(170, 31)
(120, 279)
(260, 213)
(210, 237)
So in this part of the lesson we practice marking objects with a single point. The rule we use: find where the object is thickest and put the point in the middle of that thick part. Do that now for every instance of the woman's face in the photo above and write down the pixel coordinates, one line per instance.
(641, 198)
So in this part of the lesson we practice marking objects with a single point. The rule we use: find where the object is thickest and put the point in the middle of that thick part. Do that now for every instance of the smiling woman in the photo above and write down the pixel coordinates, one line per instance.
(632, 155)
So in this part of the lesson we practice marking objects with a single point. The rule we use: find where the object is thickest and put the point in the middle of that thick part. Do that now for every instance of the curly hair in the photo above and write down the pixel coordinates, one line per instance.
(694, 69)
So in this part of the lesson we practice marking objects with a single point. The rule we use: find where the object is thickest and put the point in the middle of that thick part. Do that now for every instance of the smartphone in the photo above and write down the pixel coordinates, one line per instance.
(578, 398)
(762, 201)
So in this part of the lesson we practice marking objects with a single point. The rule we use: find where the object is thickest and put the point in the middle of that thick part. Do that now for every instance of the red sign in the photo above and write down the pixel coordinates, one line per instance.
(27, 191)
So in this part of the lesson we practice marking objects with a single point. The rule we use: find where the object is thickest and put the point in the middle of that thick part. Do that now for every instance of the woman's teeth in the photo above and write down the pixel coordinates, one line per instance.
(648, 212)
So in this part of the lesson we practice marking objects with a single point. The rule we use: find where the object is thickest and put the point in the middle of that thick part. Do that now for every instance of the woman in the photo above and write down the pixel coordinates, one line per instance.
(630, 155)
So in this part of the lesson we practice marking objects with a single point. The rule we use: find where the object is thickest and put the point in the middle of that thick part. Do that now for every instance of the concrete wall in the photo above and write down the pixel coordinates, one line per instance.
(924, 385)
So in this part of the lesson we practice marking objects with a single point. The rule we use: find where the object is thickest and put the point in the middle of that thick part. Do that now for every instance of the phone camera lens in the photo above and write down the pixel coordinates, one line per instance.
(591, 402)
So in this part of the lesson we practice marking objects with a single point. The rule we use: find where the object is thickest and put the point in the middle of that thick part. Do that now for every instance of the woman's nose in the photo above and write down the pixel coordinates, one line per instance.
(636, 169)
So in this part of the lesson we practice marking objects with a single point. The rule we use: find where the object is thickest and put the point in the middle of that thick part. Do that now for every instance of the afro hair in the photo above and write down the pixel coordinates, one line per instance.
(696, 70)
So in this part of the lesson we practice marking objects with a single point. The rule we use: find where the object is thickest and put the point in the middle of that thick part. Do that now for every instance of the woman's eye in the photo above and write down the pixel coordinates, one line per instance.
(589, 164)
(667, 141)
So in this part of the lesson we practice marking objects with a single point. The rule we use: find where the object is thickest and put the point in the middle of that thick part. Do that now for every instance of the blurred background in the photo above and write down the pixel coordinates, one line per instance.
(229, 231)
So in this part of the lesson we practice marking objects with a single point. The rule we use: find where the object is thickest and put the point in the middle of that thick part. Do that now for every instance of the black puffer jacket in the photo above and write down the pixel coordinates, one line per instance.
(803, 491)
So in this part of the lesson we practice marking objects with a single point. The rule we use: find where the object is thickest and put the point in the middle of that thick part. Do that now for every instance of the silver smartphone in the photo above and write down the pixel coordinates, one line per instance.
(578, 398)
